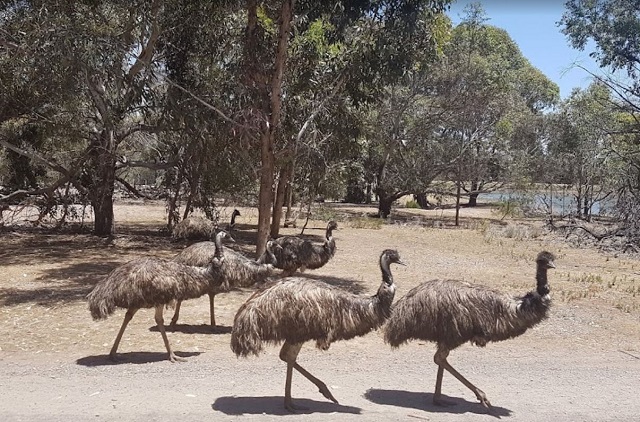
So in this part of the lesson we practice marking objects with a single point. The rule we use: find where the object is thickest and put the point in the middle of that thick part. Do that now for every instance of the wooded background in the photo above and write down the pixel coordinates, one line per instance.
(276, 103)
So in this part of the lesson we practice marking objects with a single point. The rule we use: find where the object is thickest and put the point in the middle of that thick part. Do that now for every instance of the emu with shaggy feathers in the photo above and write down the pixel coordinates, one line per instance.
(237, 271)
(295, 310)
(299, 254)
(451, 313)
(153, 283)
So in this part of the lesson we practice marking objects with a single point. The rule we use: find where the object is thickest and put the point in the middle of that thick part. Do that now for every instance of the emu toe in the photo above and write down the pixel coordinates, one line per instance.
(325, 392)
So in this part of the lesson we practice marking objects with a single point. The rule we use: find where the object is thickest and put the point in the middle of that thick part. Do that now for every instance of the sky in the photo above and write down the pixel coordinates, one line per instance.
(532, 25)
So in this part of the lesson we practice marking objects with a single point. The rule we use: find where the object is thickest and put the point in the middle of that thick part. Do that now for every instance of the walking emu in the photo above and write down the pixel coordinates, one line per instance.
(296, 309)
(451, 313)
(297, 253)
(238, 270)
(153, 283)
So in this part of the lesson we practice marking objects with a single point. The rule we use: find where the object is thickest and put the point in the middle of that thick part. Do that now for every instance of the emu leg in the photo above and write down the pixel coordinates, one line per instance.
(213, 315)
(289, 354)
(176, 314)
(160, 323)
(127, 317)
(440, 358)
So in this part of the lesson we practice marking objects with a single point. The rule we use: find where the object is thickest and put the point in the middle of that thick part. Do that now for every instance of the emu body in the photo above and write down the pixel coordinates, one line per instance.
(238, 270)
(295, 310)
(451, 313)
(299, 254)
(152, 283)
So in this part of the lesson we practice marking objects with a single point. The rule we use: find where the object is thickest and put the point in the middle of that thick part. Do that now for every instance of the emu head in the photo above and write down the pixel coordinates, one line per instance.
(332, 226)
(236, 212)
(546, 260)
(388, 257)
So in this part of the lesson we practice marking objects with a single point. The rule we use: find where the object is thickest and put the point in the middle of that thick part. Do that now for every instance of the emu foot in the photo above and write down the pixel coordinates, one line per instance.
(288, 404)
(483, 399)
(322, 388)
(173, 358)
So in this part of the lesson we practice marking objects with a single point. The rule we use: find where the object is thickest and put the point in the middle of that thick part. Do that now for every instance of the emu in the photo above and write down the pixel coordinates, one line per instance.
(153, 283)
(297, 253)
(295, 310)
(238, 271)
(451, 313)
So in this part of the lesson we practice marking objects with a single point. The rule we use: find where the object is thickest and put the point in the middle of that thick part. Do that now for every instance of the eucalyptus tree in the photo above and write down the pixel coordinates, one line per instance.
(492, 91)
(107, 53)
(609, 29)
(377, 34)
(579, 144)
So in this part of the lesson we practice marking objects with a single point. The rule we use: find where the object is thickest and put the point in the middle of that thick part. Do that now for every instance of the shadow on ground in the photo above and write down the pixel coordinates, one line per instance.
(195, 329)
(130, 358)
(423, 401)
(60, 285)
(274, 405)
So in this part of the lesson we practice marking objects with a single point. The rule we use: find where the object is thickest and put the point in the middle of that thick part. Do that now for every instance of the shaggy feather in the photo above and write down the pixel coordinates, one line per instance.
(297, 309)
(147, 282)
(236, 269)
(193, 228)
(451, 313)
(297, 253)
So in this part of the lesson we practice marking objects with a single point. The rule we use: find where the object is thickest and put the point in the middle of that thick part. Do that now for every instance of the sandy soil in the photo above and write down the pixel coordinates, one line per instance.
(582, 364)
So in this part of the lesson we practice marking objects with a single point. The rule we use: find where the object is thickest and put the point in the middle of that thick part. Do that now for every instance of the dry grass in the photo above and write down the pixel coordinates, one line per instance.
(45, 277)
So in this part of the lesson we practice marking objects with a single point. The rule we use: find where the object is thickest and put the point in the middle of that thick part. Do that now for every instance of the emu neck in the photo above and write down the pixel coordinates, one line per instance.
(541, 278)
(384, 297)
(386, 272)
(329, 234)
(218, 242)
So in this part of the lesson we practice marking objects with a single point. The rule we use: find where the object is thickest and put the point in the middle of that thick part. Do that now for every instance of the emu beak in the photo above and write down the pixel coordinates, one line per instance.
(551, 264)
(230, 238)
(401, 263)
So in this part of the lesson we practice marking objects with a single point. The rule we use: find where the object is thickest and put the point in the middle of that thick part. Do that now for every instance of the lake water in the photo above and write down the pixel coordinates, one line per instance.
(562, 204)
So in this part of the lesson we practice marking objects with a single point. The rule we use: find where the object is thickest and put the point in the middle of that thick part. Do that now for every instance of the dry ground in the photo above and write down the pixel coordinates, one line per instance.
(582, 364)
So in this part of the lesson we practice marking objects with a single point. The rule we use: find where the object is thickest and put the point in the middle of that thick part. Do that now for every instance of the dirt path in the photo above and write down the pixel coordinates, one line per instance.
(580, 365)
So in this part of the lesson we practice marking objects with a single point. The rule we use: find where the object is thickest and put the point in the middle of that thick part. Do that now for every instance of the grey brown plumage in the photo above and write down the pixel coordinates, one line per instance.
(237, 271)
(451, 313)
(300, 254)
(152, 283)
(295, 310)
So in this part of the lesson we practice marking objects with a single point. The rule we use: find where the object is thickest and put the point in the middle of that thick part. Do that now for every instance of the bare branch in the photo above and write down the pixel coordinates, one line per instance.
(35, 156)
(132, 189)
(210, 107)
(144, 58)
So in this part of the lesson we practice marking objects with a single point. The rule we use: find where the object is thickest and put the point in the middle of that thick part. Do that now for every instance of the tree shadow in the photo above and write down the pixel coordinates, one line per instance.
(424, 401)
(274, 405)
(131, 358)
(195, 329)
(61, 285)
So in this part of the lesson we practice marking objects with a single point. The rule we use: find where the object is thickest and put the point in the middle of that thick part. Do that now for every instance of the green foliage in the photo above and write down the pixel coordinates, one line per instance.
(411, 204)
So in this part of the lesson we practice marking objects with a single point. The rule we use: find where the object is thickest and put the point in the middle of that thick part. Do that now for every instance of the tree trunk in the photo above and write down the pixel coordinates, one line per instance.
(384, 206)
(265, 197)
(473, 195)
(421, 199)
(103, 165)
(473, 200)
(283, 183)
(269, 130)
